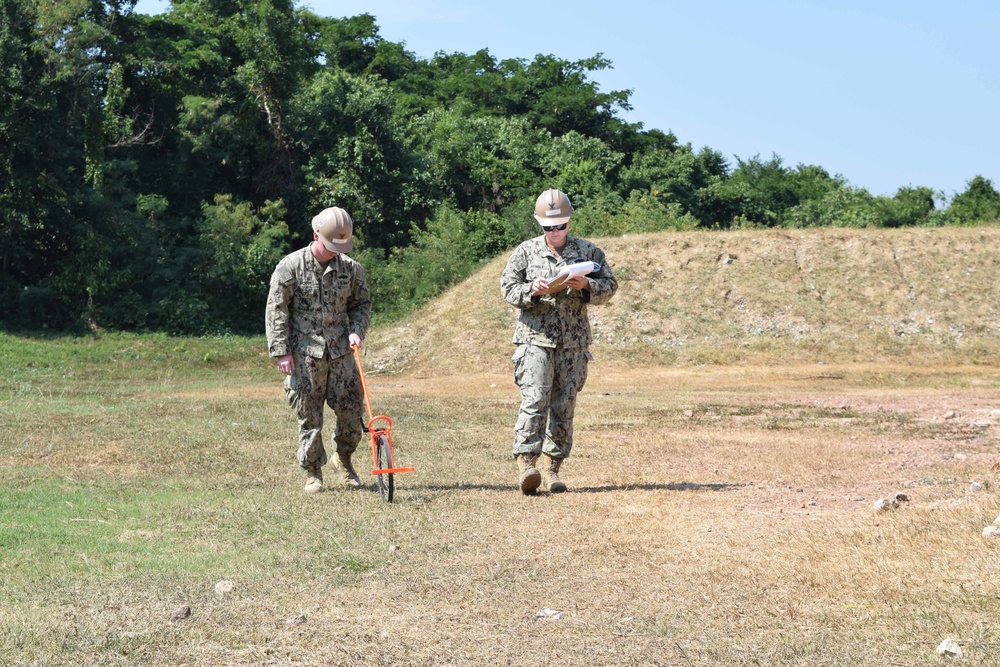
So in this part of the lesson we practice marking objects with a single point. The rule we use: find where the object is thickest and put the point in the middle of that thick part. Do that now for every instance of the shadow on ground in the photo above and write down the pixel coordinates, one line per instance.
(673, 486)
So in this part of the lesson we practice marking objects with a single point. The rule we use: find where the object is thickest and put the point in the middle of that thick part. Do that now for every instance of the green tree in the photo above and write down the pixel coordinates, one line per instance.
(548, 92)
(476, 162)
(909, 207)
(60, 234)
(354, 154)
(559, 96)
(675, 174)
(979, 202)
(763, 193)
(437, 257)
(582, 167)
(153, 169)
(242, 248)
(844, 206)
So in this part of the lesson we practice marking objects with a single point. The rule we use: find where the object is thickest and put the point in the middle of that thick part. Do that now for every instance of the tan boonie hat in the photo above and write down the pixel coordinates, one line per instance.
(334, 227)
(552, 208)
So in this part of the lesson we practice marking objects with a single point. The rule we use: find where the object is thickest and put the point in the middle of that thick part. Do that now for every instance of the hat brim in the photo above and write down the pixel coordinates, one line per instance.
(551, 222)
(337, 246)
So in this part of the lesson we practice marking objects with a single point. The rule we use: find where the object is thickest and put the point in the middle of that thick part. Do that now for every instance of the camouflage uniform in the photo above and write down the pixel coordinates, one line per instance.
(553, 338)
(310, 313)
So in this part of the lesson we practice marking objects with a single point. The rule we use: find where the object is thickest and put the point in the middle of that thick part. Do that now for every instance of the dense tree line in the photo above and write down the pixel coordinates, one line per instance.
(156, 168)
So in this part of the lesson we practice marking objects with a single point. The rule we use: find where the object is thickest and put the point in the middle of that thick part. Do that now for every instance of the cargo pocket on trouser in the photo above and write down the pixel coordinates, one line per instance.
(292, 394)
(346, 398)
(533, 375)
(301, 393)
(518, 359)
(583, 370)
(571, 376)
(299, 387)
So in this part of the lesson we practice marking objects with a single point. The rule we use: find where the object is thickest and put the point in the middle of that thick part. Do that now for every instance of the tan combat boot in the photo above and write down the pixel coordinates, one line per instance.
(314, 481)
(555, 484)
(530, 477)
(347, 474)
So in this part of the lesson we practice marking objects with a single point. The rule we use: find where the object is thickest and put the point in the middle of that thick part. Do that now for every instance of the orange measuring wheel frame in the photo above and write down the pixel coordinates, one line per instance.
(379, 429)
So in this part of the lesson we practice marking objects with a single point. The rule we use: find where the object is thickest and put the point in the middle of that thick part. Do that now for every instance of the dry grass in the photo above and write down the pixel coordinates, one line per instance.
(719, 513)
(717, 516)
(749, 297)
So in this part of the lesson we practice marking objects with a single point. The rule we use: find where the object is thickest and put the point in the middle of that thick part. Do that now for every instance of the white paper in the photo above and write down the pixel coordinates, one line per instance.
(571, 271)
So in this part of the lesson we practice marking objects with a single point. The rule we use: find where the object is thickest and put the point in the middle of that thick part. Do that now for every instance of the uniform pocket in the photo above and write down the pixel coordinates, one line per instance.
(518, 353)
(309, 290)
(518, 359)
(293, 392)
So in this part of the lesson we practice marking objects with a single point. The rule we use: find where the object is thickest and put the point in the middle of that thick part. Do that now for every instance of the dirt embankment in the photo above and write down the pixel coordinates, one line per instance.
(755, 296)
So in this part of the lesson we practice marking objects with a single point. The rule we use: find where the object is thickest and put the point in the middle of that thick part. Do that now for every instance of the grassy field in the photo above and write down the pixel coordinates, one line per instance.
(720, 508)
(717, 515)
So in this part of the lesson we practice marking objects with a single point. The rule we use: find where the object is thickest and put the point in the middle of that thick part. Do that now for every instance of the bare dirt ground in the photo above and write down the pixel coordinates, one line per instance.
(720, 516)
(851, 432)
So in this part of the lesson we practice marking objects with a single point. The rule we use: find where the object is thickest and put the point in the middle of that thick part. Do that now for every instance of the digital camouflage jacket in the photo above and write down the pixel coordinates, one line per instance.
(559, 319)
(310, 309)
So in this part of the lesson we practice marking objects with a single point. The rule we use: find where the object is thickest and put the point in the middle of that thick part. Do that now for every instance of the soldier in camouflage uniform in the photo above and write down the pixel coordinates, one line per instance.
(318, 308)
(552, 337)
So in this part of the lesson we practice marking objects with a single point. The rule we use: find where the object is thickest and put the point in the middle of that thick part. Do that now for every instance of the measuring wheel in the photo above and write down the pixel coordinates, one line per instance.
(384, 482)
(379, 429)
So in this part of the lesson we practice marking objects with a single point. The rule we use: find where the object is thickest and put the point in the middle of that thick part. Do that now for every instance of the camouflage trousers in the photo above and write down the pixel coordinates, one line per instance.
(336, 383)
(549, 379)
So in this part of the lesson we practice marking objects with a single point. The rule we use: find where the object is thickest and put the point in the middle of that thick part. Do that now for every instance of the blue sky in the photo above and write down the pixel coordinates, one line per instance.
(888, 94)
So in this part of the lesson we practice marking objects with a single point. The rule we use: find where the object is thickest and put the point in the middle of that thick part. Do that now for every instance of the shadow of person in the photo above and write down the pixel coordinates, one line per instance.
(462, 486)
(672, 486)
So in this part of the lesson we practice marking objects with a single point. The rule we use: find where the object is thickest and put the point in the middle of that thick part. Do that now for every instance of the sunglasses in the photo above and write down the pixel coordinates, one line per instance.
(556, 228)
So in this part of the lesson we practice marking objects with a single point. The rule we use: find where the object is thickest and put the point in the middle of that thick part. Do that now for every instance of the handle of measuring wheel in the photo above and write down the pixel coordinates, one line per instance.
(376, 432)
